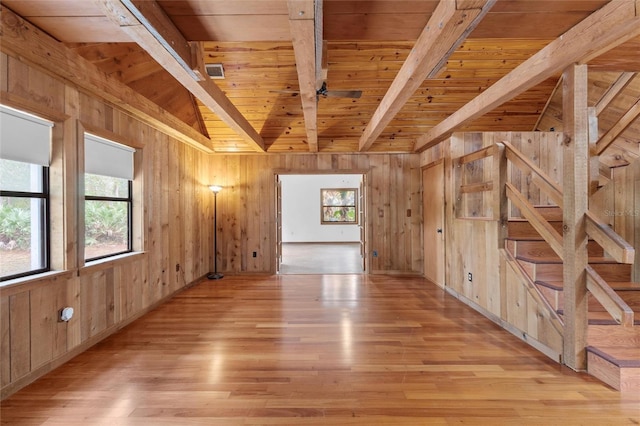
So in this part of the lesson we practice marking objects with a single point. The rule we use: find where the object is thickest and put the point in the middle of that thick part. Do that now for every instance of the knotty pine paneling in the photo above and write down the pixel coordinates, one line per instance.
(246, 206)
(5, 346)
(541, 148)
(618, 204)
(174, 239)
(177, 215)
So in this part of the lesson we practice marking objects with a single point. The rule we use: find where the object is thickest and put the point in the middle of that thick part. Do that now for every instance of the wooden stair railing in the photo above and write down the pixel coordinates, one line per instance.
(538, 177)
(609, 299)
(539, 223)
(611, 242)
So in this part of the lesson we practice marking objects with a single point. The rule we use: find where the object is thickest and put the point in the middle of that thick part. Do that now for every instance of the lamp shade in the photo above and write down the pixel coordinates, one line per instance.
(215, 188)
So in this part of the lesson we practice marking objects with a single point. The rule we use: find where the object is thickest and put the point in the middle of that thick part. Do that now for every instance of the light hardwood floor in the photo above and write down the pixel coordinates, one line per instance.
(321, 258)
(316, 350)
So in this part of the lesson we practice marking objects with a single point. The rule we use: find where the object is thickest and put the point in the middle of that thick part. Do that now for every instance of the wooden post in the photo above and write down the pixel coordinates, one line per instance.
(500, 202)
(458, 181)
(576, 190)
(594, 158)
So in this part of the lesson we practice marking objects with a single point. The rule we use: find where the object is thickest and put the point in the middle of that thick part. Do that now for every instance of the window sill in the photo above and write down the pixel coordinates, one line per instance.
(25, 283)
(29, 282)
(109, 262)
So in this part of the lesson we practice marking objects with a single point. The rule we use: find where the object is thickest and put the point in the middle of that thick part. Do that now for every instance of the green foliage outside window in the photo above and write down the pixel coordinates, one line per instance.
(339, 206)
(15, 223)
(106, 216)
(23, 219)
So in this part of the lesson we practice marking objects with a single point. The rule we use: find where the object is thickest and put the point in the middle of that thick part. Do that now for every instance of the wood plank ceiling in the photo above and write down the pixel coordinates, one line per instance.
(367, 43)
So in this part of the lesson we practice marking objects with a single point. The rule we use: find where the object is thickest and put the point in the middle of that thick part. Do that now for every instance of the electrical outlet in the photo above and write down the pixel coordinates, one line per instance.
(469, 277)
(255, 254)
(375, 253)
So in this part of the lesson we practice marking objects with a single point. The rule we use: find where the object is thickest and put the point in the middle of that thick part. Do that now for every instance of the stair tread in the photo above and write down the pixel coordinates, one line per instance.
(615, 332)
(619, 356)
(617, 344)
(522, 219)
(515, 238)
(601, 318)
(625, 285)
(534, 239)
(555, 259)
(615, 285)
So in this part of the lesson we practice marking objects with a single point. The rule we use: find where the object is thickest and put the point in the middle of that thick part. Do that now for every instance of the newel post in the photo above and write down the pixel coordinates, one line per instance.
(575, 198)
(500, 202)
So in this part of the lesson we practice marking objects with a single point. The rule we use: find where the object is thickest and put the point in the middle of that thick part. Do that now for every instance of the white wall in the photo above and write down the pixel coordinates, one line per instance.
(301, 209)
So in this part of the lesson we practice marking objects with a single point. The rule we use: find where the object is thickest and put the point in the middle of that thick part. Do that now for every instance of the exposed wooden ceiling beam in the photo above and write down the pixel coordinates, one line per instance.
(302, 24)
(616, 88)
(449, 25)
(617, 129)
(606, 28)
(21, 39)
(147, 24)
(321, 45)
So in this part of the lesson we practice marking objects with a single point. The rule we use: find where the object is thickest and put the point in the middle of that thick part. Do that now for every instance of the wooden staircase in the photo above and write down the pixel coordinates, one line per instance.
(613, 354)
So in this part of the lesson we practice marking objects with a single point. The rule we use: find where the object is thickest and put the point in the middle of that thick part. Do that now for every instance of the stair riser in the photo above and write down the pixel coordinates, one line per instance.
(626, 380)
(543, 249)
(595, 306)
(554, 297)
(525, 230)
(612, 272)
(553, 213)
(612, 356)
(556, 300)
(631, 298)
(553, 271)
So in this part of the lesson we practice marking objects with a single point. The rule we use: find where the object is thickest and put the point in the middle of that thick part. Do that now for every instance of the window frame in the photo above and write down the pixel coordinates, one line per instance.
(45, 224)
(354, 206)
(129, 200)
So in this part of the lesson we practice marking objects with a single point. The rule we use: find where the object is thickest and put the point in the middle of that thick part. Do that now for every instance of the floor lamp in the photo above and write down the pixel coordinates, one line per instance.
(215, 275)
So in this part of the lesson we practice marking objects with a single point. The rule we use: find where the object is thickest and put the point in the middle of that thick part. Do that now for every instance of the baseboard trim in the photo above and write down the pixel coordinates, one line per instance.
(536, 344)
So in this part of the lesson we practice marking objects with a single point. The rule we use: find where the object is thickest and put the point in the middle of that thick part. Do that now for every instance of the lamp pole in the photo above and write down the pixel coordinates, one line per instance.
(215, 275)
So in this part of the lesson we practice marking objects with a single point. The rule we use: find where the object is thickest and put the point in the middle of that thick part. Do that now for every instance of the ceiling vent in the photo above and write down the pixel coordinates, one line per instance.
(215, 71)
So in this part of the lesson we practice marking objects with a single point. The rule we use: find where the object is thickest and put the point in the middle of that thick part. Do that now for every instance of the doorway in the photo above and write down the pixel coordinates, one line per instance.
(321, 223)
(433, 228)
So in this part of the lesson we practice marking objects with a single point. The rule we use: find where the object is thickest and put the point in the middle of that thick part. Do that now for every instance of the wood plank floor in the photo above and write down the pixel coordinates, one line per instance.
(316, 350)
(321, 258)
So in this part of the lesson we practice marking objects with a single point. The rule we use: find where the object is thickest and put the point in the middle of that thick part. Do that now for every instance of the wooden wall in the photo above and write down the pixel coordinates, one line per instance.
(246, 207)
(618, 204)
(173, 247)
(174, 241)
(471, 244)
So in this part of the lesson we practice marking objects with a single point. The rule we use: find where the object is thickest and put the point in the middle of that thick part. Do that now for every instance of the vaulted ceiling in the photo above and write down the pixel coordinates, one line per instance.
(275, 51)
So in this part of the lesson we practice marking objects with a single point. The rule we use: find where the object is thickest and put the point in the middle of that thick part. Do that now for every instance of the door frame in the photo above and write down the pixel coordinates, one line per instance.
(443, 225)
(366, 178)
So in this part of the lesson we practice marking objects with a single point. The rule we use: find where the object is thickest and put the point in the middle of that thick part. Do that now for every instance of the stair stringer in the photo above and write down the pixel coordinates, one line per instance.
(528, 313)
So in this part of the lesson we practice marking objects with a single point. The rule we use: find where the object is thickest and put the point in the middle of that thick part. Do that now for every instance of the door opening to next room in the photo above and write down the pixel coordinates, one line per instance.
(321, 224)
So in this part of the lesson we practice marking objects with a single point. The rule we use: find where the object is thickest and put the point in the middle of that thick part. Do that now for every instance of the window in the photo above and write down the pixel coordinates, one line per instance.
(339, 206)
(24, 194)
(108, 198)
